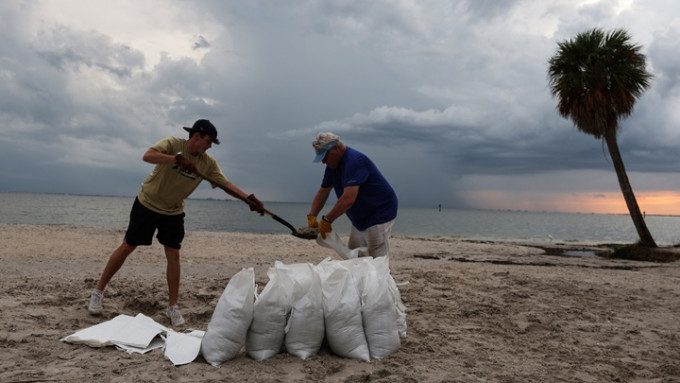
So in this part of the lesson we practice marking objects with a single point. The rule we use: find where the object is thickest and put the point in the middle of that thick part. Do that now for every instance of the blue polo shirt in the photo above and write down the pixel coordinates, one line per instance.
(376, 201)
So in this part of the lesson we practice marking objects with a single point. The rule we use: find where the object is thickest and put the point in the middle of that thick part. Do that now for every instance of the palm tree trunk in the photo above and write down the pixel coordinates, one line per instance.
(628, 195)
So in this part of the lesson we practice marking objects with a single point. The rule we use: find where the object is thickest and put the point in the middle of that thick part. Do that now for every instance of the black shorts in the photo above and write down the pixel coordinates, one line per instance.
(144, 222)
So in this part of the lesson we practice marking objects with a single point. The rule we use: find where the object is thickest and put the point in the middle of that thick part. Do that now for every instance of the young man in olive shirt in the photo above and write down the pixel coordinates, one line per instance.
(159, 206)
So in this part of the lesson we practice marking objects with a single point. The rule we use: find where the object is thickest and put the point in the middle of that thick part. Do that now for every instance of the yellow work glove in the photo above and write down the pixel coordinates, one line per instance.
(311, 221)
(324, 227)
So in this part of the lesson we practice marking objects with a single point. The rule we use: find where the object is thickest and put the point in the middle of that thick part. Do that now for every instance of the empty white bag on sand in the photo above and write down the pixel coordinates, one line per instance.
(228, 327)
(272, 307)
(305, 329)
(342, 312)
(379, 310)
(181, 348)
(123, 330)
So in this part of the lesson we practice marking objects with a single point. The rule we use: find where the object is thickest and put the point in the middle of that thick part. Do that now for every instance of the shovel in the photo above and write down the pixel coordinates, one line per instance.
(294, 231)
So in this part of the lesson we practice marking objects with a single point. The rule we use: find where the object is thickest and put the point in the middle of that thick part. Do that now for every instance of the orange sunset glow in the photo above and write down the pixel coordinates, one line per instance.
(662, 202)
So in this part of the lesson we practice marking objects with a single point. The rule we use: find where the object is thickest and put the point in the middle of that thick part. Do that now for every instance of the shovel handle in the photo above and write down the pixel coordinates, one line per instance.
(252, 203)
(230, 192)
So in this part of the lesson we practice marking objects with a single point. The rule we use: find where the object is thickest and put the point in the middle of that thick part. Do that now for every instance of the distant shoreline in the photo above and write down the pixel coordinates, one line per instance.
(432, 207)
(228, 215)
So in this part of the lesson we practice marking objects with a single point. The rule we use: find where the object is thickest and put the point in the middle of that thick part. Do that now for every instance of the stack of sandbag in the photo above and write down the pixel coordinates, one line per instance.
(354, 304)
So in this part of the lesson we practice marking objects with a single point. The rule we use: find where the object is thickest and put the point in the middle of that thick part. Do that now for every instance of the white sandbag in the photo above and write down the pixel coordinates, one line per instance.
(305, 329)
(379, 311)
(228, 327)
(334, 242)
(272, 307)
(342, 312)
(359, 268)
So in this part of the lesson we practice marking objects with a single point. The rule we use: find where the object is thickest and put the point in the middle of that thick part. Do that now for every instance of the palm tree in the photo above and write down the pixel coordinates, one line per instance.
(597, 78)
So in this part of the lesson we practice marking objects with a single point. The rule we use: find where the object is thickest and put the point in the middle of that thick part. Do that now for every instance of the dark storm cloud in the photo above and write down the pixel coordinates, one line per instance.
(435, 92)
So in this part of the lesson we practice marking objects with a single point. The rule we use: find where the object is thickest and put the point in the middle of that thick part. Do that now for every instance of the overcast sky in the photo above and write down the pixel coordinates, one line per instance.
(449, 98)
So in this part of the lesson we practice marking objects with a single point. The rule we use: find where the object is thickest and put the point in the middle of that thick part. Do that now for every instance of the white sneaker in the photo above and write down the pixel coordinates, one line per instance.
(96, 300)
(175, 316)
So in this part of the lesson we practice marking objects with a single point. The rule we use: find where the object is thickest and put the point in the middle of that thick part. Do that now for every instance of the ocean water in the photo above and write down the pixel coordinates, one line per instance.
(229, 215)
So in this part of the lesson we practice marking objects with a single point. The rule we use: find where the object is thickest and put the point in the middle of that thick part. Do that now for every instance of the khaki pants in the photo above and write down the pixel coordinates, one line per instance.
(375, 238)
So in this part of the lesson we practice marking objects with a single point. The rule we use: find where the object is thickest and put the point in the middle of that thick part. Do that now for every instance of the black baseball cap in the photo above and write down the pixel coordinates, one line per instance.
(204, 127)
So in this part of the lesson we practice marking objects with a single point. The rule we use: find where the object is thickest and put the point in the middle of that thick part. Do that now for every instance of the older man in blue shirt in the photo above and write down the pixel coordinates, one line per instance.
(363, 194)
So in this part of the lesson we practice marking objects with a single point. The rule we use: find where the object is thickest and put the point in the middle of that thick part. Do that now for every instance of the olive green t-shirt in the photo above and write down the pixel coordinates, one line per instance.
(166, 188)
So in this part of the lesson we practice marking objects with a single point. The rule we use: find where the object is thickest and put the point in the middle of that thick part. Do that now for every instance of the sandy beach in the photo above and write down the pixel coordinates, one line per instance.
(477, 312)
